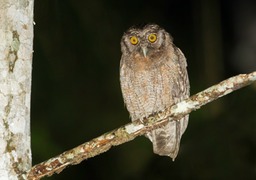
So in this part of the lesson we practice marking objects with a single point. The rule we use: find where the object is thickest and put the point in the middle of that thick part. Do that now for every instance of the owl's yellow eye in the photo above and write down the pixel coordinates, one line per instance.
(134, 40)
(152, 38)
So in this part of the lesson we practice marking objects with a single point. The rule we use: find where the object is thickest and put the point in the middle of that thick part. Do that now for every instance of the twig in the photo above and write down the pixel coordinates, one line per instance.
(130, 131)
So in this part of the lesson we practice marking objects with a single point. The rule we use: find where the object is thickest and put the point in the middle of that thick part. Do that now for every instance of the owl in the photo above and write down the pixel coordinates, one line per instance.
(153, 76)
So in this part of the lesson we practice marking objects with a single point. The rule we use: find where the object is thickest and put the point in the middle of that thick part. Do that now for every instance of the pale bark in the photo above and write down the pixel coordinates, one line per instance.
(16, 40)
(130, 131)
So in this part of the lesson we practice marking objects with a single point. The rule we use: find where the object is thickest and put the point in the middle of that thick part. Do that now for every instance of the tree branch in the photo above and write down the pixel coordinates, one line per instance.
(129, 131)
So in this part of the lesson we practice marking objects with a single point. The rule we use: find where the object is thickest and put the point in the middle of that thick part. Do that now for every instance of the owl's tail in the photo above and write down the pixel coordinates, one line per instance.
(166, 139)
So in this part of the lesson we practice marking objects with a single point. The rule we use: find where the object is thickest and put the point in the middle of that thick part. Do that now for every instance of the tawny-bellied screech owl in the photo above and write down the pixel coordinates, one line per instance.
(153, 77)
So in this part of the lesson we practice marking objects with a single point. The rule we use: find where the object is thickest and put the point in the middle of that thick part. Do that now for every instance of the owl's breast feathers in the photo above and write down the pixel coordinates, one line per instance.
(141, 63)
(149, 85)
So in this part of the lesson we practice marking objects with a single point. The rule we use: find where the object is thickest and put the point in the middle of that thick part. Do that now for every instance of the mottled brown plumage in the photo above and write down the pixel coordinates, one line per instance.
(153, 76)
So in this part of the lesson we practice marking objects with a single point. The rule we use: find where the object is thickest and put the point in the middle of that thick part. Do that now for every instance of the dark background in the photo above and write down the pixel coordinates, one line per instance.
(76, 94)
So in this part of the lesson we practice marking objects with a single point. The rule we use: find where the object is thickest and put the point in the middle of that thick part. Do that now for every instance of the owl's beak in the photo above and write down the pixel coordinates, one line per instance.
(144, 51)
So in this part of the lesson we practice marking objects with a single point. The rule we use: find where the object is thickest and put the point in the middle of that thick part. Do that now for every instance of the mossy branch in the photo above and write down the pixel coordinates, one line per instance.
(130, 131)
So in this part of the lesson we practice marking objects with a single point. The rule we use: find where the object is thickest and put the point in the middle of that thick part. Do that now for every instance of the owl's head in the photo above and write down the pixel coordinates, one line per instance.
(149, 42)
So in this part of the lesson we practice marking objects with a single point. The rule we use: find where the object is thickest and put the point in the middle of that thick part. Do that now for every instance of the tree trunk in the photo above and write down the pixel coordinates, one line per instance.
(16, 44)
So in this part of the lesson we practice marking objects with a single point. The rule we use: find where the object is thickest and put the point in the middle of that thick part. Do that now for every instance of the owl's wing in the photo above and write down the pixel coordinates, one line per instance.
(166, 139)
(181, 86)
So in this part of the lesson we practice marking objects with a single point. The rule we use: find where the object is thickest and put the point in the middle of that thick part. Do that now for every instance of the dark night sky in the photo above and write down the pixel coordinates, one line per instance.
(76, 94)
